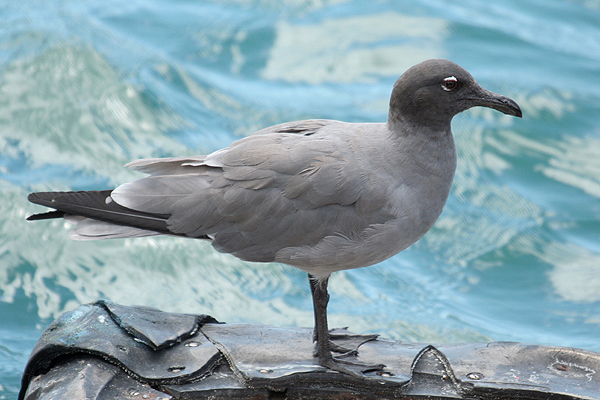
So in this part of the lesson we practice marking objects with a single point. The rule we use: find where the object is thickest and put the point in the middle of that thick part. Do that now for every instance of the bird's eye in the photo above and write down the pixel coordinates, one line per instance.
(450, 83)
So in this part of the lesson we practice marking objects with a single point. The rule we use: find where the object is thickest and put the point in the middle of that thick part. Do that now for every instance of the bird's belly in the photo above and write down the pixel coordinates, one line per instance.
(379, 241)
(338, 252)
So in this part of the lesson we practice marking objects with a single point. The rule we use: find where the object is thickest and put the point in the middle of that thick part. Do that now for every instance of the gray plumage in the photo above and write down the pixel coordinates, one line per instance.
(320, 195)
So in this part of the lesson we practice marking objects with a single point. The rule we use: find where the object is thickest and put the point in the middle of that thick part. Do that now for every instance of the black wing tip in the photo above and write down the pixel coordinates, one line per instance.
(93, 205)
(46, 215)
(43, 198)
(34, 197)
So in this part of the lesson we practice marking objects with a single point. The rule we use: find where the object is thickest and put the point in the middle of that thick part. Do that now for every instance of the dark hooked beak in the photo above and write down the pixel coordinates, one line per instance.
(485, 98)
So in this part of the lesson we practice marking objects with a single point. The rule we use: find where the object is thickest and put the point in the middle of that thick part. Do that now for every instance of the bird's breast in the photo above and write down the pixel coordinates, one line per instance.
(420, 175)
(402, 197)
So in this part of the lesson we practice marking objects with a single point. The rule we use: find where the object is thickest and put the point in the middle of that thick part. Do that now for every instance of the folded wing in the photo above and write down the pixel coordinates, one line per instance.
(290, 185)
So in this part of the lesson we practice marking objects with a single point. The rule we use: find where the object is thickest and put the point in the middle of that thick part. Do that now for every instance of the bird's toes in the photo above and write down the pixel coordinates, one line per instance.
(364, 367)
(335, 335)
(334, 365)
(339, 365)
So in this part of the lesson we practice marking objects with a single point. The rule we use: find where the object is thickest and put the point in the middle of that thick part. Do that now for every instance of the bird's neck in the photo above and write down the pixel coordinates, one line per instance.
(404, 123)
(424, 151)
(404, 127)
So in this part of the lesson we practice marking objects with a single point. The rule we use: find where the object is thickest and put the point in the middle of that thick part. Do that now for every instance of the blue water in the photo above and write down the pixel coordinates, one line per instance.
(86, 86)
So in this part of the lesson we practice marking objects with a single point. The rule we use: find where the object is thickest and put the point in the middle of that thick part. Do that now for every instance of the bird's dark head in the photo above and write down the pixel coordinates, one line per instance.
(432, 92)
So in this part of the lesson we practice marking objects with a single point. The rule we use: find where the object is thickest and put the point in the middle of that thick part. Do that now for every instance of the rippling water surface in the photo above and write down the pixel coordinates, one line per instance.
(86, 86)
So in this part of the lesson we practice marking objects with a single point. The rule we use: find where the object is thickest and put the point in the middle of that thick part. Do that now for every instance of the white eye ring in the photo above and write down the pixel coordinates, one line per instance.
(450, 83)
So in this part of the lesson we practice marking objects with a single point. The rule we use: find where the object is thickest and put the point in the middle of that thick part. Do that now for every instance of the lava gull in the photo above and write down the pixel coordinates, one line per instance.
(320, 195)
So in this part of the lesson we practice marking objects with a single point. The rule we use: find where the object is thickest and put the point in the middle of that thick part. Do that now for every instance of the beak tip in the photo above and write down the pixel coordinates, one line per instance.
(518, 113)
(509, 106)
(506, 105)
(513, 107)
